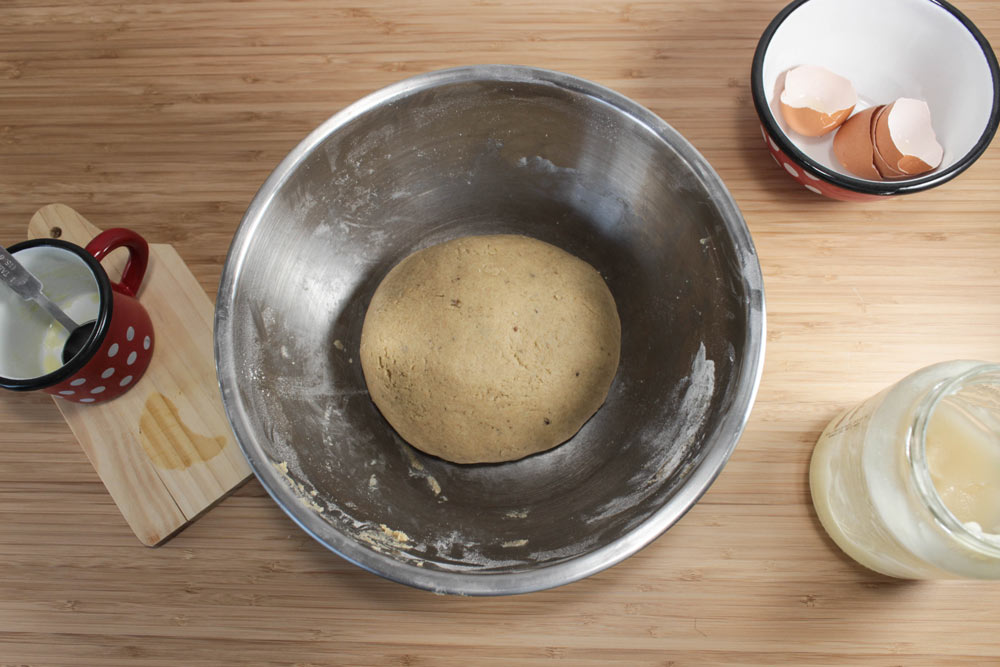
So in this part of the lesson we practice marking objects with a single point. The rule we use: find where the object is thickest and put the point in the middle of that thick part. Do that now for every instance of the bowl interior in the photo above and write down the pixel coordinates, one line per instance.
(32, 341)
(424, 164)
(887, 49)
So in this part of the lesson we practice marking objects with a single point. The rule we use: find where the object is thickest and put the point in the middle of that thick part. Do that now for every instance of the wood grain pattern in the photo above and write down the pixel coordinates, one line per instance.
(166, 117)
(163, 464)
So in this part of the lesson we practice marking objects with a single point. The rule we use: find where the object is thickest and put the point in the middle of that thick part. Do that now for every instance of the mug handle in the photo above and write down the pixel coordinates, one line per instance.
(138, 256)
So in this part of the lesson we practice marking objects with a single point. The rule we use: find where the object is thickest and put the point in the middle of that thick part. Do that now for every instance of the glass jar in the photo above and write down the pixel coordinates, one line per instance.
(900, 480)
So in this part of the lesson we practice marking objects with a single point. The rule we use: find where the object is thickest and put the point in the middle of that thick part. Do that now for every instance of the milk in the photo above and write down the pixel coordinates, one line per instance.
(963, 457)
(907, 483)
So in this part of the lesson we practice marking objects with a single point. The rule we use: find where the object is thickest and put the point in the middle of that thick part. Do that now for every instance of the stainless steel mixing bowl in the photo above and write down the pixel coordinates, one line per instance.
(491, 149)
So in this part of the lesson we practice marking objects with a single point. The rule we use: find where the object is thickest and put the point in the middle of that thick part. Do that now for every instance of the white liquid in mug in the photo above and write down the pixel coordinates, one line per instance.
(32, 341)
(81, 309)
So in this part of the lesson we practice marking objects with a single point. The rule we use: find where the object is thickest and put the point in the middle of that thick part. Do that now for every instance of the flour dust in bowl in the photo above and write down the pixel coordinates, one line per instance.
(478, 151)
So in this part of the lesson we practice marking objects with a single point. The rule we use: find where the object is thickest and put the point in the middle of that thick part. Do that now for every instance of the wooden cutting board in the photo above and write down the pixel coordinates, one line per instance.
(164, 450)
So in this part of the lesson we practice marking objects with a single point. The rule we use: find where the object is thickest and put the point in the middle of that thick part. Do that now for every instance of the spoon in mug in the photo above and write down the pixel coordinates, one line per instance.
(29, 288)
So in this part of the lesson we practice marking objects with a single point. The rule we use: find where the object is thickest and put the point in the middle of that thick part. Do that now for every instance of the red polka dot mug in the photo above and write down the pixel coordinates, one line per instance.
(119, 346)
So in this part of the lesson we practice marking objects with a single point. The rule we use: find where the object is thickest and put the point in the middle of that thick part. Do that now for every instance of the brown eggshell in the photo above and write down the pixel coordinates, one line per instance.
(884, 166)
(904, 165)
(812, 123)
(853, 145)
(913, 166)
(883, 141)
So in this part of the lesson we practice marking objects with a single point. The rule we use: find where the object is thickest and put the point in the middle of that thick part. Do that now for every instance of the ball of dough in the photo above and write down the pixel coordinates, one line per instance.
(490, 348)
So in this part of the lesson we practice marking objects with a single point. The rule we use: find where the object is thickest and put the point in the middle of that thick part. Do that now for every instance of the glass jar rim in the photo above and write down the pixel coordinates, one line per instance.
(916, 450)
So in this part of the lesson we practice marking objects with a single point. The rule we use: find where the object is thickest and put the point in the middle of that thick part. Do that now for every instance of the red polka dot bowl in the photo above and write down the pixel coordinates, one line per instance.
(119, 346)
(923, 49)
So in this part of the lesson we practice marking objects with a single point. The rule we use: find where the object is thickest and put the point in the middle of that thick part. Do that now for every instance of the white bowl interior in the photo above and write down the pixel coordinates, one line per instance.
(32, 341)
(888, 49)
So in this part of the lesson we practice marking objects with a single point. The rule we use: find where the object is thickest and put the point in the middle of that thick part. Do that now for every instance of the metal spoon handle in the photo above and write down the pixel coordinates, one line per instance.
(29, 287)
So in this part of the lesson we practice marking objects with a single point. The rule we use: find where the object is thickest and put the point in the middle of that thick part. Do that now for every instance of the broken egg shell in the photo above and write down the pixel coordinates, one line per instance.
(815, 101)
(853, 147)
(812, 123)
(913, 166)
(884, 167)
(906, 126)
(888, 155)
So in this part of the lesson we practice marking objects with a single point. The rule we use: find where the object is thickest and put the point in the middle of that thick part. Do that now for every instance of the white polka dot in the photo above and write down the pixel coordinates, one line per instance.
(763, 133)
(146, 343)
(815, 178)
(773, 145)
(87, 400)
(131, 358)
(791, 170)
(68, 392)
(812, 189)
(108, 372)
(775, 158)
(125, 380)
(130, 333)
(77, 382)
(113, 350)
(98, 390)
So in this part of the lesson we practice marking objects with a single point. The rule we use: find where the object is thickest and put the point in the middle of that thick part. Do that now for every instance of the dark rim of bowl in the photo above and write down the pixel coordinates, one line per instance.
(96, 337)
(933, 179)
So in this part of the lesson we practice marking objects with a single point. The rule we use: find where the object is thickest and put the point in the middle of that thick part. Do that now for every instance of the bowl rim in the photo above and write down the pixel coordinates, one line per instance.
(884, 188)
(723, 440)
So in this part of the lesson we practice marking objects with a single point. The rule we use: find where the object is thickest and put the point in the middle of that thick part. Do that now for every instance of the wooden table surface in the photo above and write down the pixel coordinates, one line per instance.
(166, 117)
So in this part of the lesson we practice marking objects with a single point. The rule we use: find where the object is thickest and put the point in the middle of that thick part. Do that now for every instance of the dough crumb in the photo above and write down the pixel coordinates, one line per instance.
(397, 535)
(385, 539)
(312, 504)
(514, 543)
(339, 345)
(435, 487)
